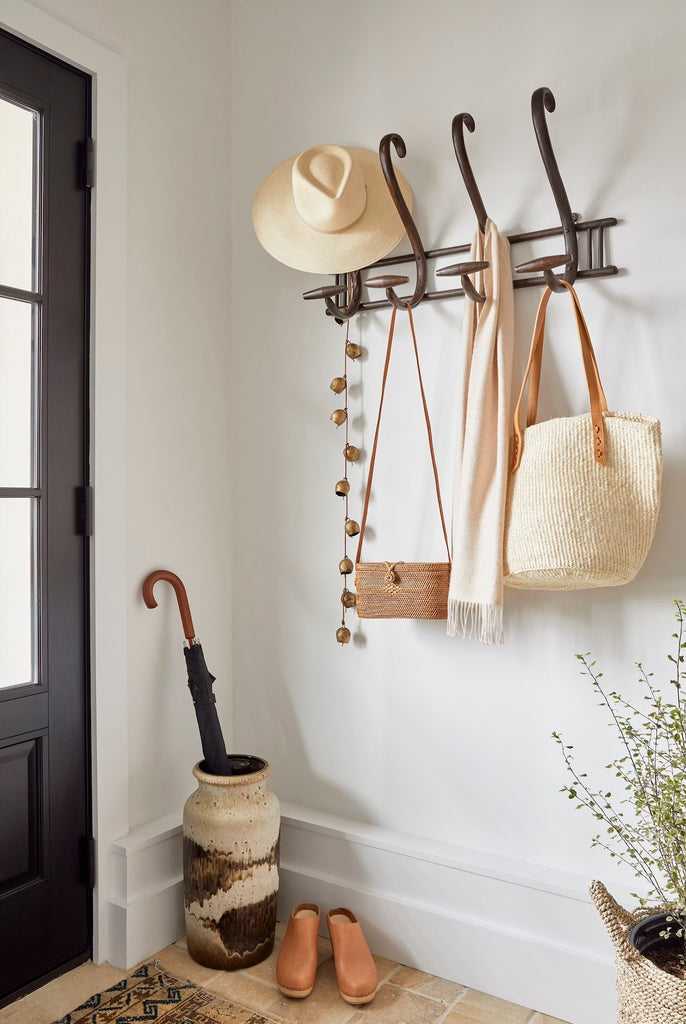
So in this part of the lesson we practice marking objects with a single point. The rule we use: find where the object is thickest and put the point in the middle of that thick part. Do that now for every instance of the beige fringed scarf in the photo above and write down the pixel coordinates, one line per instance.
(475, 601)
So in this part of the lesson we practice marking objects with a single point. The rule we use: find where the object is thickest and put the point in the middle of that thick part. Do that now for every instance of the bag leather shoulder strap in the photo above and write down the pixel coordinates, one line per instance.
(598, 402)
(376, 433)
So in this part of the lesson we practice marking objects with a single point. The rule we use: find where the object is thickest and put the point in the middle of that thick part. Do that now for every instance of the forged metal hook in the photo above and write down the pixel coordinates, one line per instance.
(340, 313)
(463, 269)
(543, 100)
(410, 226)
(460, 122)
(181, 596)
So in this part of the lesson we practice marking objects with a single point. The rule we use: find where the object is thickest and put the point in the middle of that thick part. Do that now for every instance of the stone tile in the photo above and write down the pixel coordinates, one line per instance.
(280, 930)
(324, 1006)
(239, 987)
(427, 984)
(22, 1012)
(324, 950)
(177, 961)
(479, 1008)
(182, 942)
(266, 969)
(70, 990)
(394, 1004)
(384, 968)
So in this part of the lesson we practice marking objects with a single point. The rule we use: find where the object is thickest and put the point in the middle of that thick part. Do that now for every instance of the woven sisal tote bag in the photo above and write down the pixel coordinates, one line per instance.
(584, 491)
(645, 993)
(402, 590)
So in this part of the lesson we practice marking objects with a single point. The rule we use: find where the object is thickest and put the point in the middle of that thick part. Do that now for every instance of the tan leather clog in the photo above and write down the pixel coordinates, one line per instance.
(297, 963)
(355, 968)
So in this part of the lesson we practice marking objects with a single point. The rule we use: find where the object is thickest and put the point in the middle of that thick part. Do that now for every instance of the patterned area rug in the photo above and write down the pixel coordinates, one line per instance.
(150, 995)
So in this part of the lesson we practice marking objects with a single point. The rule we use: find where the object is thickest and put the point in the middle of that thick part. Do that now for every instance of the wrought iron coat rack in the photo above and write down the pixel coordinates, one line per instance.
(343, 299)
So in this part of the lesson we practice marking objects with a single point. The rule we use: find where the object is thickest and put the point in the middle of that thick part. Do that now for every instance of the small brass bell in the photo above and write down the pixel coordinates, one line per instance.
(342, 488)
(351, 453)
(348, 599)
(343, 635)
(337, 385)
(339, 416)
(352, 350)
(352, 528)
(345, 566)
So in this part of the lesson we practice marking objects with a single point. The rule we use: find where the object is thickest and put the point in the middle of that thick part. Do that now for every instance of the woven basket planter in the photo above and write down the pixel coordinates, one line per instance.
(646, 994)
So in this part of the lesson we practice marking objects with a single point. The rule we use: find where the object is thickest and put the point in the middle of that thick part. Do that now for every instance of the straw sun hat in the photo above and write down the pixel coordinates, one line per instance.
(328, 210)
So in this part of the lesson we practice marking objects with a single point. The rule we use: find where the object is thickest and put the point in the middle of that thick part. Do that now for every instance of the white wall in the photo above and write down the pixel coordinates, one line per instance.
(176, 419)
(406, 729)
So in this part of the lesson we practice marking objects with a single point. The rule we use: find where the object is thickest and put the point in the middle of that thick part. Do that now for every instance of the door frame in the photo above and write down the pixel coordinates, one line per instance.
(107, 349)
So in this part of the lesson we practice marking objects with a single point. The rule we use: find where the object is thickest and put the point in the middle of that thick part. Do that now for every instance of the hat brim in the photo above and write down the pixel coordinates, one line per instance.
(288, 238)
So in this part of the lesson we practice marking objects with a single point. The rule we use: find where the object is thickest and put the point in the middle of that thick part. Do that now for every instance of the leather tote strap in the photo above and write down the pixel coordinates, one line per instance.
(376, 433)
(598, 402)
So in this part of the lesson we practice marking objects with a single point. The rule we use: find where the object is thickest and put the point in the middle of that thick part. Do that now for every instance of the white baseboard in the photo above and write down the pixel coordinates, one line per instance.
(145, 910)
(518, 931)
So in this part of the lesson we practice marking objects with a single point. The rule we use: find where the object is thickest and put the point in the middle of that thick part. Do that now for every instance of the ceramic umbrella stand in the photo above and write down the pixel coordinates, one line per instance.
(230, 829)
(230, 866)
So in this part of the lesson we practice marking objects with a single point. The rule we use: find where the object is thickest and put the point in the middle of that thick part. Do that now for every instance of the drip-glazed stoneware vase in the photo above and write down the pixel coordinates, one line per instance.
(230, 866)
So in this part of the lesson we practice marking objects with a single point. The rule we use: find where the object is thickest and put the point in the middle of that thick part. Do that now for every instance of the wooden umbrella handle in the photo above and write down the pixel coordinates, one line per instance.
(181, 596)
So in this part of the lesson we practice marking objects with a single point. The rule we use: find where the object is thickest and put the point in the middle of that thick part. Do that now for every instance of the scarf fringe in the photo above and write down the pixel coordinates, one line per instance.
(473, 620)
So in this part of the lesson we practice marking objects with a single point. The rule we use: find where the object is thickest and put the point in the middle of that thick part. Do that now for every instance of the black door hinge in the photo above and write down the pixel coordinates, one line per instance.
(84, 511)
(88, 861)
(88, 163)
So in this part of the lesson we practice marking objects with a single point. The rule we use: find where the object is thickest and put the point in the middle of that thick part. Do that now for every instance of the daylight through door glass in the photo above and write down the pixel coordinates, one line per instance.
(20, 318)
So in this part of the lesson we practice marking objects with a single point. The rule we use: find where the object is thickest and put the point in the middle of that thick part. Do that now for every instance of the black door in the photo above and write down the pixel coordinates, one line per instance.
(45, 897)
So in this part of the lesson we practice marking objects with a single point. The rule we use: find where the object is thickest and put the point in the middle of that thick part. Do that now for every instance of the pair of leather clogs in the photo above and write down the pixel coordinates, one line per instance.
(297, 964)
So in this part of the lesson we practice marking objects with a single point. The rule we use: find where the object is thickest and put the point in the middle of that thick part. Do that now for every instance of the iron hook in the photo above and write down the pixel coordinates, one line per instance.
(542, 100)
(406, 217)
(460, 122)
(463, 270)
(181, 596)
(340, 313)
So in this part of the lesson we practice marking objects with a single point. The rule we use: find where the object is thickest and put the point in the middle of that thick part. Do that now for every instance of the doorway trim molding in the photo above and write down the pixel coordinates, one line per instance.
(108, 334)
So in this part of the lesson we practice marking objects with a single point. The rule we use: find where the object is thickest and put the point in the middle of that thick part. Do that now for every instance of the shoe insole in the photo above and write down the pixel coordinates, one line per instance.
(306, 913)
(339, 919)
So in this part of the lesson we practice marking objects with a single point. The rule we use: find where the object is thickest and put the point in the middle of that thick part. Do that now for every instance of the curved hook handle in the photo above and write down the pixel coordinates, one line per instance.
(543, 100)
(181, 596)
(460, 122)
(328, 292)
(464, 269)
(347, 312)
(405, 216)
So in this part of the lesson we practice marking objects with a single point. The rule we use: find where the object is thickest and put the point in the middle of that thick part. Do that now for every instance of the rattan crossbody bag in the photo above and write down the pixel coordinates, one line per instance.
(402, 590)
(584, 491)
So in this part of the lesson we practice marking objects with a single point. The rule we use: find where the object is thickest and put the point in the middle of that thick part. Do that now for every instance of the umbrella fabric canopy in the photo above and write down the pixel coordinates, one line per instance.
(200, 680)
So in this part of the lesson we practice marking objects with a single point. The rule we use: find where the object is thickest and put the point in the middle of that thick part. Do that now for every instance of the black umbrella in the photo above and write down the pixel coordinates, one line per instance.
(200, 681)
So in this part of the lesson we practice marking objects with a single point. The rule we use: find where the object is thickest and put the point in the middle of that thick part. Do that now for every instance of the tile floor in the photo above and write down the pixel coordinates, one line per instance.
(405, 996)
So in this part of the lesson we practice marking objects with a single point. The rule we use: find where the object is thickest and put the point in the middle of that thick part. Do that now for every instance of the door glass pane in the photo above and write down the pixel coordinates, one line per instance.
(18, 200)
(16, 394)
(17, 589)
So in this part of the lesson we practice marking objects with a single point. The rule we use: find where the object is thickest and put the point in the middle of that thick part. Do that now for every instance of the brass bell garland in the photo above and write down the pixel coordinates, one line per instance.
(348, 599)
(342, 488)
(343, 635)
(345, 566)
(337, 385)
(351, 453)
(339, 416)
(352, 528)
(352, 350)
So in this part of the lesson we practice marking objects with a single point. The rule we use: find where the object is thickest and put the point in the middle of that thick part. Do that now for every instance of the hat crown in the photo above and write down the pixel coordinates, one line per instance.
(329, 191)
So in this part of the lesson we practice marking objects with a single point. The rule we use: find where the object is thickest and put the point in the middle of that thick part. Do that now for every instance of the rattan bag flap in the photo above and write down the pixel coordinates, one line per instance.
(584, 491)
(402, 590)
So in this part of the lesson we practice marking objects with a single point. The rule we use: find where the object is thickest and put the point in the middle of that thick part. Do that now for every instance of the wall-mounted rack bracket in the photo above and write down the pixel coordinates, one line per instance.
(591, 243)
